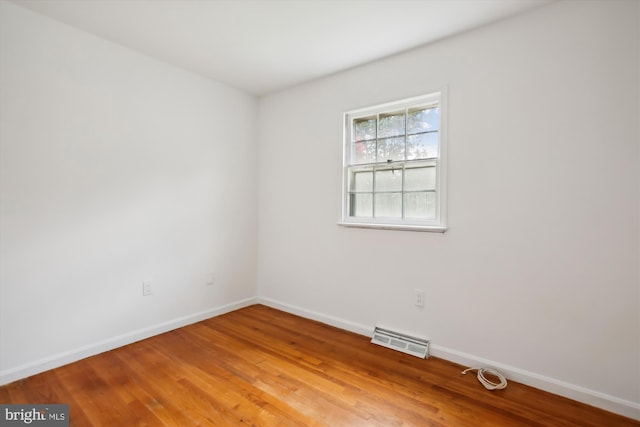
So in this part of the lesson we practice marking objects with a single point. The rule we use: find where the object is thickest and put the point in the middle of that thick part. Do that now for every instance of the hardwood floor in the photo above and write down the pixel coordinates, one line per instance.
(261, 367)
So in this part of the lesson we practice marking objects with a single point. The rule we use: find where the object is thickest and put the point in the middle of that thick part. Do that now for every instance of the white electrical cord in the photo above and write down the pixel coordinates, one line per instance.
(489, 385)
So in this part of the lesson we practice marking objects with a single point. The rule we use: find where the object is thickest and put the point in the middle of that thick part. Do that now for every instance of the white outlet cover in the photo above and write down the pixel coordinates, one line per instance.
(146, 288)
(419, 301)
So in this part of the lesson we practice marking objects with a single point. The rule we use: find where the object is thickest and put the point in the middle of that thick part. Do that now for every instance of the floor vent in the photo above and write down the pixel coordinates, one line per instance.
(414, 346)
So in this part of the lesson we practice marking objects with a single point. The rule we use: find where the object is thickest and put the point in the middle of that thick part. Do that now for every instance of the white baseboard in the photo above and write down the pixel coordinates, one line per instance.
(74, 355)
(313, 315)
(551, 385)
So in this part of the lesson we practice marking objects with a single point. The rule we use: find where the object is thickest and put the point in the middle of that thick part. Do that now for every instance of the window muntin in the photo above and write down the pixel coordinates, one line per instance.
(393, 165)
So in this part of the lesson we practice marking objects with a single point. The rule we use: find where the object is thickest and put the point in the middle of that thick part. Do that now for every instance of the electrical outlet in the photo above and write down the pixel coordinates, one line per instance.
(419, 298)
(146, 288)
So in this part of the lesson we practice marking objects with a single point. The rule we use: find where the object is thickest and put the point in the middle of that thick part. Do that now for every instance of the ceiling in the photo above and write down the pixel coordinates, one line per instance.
(262, 46)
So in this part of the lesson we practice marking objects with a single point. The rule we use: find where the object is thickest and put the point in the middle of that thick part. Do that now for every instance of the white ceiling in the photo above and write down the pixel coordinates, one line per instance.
(261, 46)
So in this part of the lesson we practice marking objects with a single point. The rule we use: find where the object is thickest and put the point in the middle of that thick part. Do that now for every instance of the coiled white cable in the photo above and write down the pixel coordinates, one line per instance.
(489, 385)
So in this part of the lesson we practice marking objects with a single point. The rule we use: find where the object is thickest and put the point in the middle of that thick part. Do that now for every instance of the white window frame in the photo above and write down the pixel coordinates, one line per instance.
(438, 224)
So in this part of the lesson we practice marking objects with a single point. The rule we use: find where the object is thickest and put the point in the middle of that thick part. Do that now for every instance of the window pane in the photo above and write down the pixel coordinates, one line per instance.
(362, 181)
(420, 205)
(416, 179)
(389, 180)
(422, 146)
(423, 120)
(391, 149)
(391, 125)
(364, 152)
(389, 205)
(361, 205)
(364, 128)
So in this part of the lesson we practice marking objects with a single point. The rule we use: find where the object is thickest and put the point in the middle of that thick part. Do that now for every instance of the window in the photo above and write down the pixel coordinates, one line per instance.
(394, 169)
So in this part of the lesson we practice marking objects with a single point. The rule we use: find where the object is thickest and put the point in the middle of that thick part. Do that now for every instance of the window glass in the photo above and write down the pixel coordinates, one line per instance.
(416, 179)
(422, 146)
(362, 181)
(391, 125)
(390, 149)
(389, 180)
(388, 205)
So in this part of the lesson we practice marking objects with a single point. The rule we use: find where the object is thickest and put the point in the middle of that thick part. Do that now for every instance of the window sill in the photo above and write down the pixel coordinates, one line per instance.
(400, 227)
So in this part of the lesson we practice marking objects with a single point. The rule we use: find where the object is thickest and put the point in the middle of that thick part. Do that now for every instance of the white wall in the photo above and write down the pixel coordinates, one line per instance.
(115, 168)
(538, 272)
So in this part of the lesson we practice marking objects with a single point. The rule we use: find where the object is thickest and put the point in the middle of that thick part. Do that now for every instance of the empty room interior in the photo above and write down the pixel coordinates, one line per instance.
(208, 207)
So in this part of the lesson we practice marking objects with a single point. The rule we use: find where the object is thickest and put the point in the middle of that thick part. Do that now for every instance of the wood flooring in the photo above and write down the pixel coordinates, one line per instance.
(262, 367)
